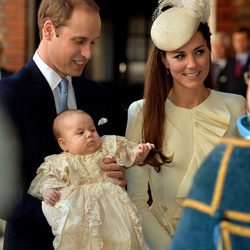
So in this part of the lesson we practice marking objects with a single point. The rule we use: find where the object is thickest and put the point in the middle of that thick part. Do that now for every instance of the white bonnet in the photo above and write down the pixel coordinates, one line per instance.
(175, 26)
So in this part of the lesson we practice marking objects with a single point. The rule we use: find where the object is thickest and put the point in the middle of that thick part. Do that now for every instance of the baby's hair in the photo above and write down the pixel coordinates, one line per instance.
(57, 128)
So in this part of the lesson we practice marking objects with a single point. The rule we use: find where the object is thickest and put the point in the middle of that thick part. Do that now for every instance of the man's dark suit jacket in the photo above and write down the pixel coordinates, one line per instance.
(229, 82)
(4, 72)
(30, 103)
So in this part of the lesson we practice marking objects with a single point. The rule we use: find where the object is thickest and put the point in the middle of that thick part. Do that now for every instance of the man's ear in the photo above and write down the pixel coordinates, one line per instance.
(48, 30)
(62, 144)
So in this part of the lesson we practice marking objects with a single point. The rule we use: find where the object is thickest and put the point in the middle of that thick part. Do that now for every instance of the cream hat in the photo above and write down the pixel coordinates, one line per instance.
(175, 26)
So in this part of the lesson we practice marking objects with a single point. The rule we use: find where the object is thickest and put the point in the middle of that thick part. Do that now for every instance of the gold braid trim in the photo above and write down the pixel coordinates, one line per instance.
(239, 216)
(220, 180)
(228, 228)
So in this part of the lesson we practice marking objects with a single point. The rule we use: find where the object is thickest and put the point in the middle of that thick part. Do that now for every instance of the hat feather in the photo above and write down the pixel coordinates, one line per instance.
(196, 8)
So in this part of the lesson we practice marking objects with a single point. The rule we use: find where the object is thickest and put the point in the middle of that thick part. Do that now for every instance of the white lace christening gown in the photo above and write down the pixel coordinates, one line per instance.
(93, 212)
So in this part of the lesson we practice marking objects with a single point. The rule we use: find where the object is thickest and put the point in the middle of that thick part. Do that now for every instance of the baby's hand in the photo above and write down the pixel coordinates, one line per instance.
(142, 151)
(51, 196)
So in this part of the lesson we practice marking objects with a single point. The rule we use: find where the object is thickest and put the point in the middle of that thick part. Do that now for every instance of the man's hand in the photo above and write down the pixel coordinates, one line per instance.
(51, 196)
(114, 170)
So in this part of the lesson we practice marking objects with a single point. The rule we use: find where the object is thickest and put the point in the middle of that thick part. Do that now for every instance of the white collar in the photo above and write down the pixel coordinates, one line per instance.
(50, 75)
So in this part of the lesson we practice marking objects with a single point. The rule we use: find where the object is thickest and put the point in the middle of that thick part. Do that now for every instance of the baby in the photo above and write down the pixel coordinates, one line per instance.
(84, 207)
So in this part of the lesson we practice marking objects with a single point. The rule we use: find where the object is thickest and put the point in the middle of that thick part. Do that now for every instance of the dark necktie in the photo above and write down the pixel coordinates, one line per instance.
(237, 68)
(63, 100)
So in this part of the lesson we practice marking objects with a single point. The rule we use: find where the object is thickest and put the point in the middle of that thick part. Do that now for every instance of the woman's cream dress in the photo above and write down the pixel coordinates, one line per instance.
(93, 212)
(191, 134)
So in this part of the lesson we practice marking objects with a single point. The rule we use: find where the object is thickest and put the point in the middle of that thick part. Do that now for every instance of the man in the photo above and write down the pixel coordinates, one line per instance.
(220, 49)
(233, 74)
(69, 30)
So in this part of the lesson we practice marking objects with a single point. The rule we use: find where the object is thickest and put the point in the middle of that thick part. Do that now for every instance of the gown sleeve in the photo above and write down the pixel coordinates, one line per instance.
(123, 150)
(53, 173)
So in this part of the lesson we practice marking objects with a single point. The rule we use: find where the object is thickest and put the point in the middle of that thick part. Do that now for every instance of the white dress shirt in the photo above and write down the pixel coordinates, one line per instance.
(53, 80)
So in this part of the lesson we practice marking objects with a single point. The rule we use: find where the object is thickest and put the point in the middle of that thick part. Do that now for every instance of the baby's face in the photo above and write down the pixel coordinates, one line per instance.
(80, 135)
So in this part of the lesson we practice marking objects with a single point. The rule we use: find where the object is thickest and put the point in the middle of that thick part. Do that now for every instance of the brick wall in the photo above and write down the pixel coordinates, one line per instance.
(12, 28)
(232, 13)
(225, 11)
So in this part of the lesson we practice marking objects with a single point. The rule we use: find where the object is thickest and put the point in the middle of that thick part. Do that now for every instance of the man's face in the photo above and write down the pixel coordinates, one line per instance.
(69, 48)
(240, 42)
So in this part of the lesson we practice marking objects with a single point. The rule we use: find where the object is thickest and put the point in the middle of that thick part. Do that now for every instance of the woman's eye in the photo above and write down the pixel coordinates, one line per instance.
(200, 52)
(179, 56)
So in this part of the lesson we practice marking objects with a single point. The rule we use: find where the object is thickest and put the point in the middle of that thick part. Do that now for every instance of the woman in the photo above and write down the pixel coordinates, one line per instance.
(180, 114)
